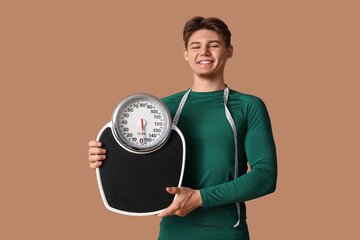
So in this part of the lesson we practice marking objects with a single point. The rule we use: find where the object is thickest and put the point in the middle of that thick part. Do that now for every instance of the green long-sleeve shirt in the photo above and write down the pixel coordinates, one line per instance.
(210, 162)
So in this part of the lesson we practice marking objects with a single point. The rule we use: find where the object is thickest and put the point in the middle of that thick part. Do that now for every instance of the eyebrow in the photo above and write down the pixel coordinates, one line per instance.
(211, 41)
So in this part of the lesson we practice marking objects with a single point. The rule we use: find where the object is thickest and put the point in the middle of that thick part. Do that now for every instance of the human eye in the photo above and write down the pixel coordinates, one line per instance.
(214, 46)
(195, 47)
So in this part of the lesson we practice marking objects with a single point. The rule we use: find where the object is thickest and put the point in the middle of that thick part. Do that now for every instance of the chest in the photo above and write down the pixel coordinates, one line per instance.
(205, 121)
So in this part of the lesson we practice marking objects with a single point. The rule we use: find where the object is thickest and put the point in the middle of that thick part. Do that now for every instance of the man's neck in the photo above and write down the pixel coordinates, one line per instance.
(207, 85)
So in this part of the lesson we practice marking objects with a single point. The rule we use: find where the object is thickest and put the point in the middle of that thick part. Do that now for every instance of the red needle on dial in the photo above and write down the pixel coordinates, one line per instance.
(142, 130)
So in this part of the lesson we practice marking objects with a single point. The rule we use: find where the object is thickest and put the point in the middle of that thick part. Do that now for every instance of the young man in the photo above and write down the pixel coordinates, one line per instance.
(224, 129)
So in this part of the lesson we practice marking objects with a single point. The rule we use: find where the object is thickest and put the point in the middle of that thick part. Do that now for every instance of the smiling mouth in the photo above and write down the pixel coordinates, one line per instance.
(205, 62)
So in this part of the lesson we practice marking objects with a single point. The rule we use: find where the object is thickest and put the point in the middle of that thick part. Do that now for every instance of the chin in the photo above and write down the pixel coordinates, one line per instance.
(206, 75)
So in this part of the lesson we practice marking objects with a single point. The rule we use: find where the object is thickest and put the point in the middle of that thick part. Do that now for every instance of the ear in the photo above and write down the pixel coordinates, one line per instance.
(230, 51)
(186, 55)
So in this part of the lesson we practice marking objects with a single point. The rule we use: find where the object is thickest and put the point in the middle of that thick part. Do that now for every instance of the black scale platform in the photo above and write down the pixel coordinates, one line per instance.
(135, 184)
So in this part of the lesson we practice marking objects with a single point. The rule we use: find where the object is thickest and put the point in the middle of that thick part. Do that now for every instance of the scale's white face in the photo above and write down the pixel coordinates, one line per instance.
(141, 122)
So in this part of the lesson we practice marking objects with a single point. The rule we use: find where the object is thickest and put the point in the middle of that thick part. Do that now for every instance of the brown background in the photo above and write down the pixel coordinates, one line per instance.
(65, 65)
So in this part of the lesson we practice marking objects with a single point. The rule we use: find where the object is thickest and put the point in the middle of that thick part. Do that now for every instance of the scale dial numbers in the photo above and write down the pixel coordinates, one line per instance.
(142, 122)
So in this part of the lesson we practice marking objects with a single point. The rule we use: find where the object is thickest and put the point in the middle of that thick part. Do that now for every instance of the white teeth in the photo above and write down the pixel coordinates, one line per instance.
(205, 62)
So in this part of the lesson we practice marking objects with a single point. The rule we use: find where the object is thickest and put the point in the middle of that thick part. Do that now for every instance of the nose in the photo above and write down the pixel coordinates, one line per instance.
(205, 51)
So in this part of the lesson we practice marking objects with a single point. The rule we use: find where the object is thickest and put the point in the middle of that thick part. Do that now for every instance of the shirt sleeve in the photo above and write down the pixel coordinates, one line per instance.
(261, 154)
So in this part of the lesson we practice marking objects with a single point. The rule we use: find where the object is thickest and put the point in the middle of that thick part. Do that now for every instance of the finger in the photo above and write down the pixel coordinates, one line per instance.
(95, 158)
(95, 150)
(94, 143)
(170, 210)
(167, 212)
(173, 190)
(95, 165)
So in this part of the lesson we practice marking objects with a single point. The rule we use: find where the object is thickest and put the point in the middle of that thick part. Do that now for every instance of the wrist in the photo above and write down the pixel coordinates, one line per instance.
(198, 198)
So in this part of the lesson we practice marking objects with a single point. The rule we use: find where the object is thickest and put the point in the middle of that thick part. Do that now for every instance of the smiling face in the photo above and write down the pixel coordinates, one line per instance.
(207, 54)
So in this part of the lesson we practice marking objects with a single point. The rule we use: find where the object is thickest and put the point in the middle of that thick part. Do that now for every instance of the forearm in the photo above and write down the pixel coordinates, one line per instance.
(256, 183)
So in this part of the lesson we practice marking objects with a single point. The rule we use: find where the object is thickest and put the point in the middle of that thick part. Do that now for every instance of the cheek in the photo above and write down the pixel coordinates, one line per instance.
(222, 57)
(191, 56)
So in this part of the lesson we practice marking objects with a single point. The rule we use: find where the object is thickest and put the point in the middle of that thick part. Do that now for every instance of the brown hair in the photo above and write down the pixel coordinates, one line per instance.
(211, 23)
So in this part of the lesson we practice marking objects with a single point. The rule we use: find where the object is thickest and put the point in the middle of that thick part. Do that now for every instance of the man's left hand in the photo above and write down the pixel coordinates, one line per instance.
(187, 200)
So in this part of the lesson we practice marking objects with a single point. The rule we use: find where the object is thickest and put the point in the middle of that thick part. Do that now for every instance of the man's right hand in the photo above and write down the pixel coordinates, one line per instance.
(96, 154)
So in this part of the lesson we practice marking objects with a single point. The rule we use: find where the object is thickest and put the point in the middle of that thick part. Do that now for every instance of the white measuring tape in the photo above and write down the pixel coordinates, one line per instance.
(232, 124)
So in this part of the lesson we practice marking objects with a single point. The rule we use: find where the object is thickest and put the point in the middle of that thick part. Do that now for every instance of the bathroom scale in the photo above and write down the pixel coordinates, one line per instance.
(145, 153)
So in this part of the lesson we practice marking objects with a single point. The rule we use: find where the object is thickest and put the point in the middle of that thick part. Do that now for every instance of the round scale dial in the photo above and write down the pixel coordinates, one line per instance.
(141, 122)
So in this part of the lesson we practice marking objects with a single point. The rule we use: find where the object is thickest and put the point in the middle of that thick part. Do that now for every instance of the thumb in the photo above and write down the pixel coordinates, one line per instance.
(173, 190)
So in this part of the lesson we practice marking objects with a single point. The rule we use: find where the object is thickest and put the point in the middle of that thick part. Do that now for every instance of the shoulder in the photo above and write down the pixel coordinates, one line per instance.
(174, 98)
(172, 101)
(247, 100)
(251, 106)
